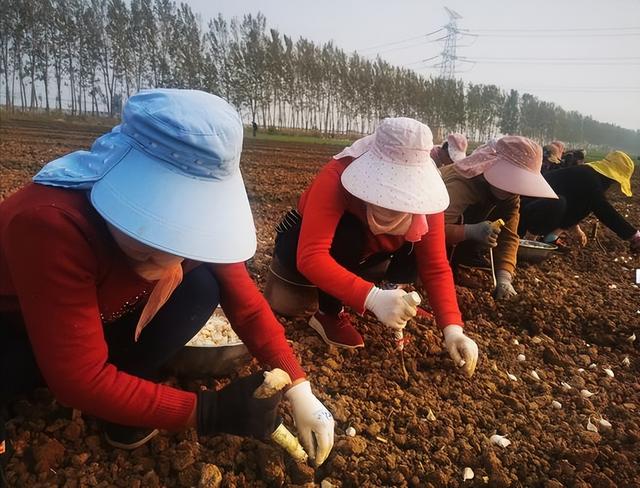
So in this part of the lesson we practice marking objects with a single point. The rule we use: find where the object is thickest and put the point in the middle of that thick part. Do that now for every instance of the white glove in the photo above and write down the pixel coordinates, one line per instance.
(504, 288)
(390, 307)
(462, 350)
(314, 422)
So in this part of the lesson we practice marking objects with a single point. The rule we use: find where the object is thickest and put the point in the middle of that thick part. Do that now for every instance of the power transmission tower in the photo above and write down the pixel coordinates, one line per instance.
(448, 65)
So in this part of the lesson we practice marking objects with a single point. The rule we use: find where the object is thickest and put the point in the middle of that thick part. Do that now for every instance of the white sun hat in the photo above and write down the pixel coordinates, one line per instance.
(393, 169)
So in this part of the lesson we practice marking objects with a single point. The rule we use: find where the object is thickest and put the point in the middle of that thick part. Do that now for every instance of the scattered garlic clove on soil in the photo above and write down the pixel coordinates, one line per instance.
(580, 370)
(556, 404)
(593, 366)
(604, 423)
(613, 286)
(586, 393)
(536, 340)
(499, 440)
(430, 416)
(351, 432)
(517, 343)
(626, 361)
(512, 377)
(591, 427)
(467, 474)
(521, 357)
(535, 375)
(609, 372)
(565, 386)
(632, 338)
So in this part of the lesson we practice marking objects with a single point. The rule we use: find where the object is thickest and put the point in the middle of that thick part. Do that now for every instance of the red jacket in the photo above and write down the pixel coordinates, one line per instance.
(322, 206)
(62, 271)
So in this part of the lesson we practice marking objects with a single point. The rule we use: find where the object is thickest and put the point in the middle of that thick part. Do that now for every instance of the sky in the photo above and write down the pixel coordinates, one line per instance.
(583, 55)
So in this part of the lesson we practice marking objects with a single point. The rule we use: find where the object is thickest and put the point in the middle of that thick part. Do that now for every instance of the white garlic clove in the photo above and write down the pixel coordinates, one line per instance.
(467, 474)
(499, 440)
(521, 357)
(609, 372)
(535, 375)
(536, 340)
(586, 393)
(593, 366)
(580, 370)
(512, 377)
(626, 361)
(565, 386)
(351, 432)
(604, 423)
(430, 416)
(591, 427)
(632, 338)
(517, 343)
(556, 404)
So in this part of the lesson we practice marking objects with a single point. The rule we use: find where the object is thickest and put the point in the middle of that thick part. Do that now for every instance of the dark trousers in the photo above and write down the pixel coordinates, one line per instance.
(347, 248)
(184, 314)
(543, 215)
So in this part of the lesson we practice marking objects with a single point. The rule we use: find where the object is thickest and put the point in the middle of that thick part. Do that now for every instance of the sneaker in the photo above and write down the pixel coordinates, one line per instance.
(336, 330)
(424, 314)
(127, 438)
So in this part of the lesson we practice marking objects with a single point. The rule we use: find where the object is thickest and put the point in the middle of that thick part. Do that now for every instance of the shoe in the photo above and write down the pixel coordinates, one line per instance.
(127, 438)
(336, 330)
(424, 314)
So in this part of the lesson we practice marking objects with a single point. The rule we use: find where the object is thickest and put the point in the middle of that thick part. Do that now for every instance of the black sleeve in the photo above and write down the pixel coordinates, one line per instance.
(610, 217)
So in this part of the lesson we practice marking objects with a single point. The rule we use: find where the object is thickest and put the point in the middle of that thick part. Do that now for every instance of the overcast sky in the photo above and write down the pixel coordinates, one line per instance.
(596, 67)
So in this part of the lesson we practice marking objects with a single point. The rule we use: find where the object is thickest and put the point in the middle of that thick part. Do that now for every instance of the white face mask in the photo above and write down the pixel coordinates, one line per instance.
(148, 262)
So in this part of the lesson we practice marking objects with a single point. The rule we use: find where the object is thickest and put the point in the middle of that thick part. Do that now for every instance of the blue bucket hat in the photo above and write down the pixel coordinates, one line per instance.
(169, 176)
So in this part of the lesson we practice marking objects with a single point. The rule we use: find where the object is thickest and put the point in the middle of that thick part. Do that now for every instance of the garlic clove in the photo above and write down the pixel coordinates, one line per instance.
(467, 474)
(430, 416)
(626, 361)
(591, 427)
(521, 357)
(517, 343)
(556, 404)
(512, 377)
(536, 340)
(535, 375)
(586, 393)
(580, 370)
(609, 372)
(632, 338)
(499, 440)
(593, 366)
(351, 432)
(604, 423)
(565, 386)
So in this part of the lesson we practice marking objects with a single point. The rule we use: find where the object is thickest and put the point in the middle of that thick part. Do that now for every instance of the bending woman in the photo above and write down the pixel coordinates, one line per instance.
(114, 258)
(380, 200)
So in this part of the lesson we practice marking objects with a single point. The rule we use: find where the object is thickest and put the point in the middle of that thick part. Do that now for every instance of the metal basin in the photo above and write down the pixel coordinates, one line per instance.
(201, 361)
(534, 251)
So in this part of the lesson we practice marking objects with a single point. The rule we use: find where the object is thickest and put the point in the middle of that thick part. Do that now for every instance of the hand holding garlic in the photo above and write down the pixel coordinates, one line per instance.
(462, 349)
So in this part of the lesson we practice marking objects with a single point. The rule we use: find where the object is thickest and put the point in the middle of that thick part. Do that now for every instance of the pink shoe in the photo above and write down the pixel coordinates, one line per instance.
(336, 330)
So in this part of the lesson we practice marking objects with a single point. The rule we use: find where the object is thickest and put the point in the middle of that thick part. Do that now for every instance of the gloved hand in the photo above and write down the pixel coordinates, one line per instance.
(314, 422)
(482, 232)
(634, 242)
(234, 410)
(462, 350)
(504, 288)
(390, 307)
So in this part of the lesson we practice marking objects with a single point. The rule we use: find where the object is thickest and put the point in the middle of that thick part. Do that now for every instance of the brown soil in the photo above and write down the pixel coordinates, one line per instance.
(573, 311)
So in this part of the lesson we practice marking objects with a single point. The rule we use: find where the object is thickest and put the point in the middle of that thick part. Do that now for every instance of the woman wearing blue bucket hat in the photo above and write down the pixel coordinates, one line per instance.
(115, 257)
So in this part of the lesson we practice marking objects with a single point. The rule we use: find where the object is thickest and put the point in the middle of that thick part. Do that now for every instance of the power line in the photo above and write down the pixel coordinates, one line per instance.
(422, 36)
(579, 29)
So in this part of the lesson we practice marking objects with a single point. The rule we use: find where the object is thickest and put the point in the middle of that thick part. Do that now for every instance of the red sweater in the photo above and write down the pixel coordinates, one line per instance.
(61, 270)
(322, 206)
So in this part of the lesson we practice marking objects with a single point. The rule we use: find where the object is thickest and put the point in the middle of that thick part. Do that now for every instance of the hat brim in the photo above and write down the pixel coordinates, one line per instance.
(456, 154)
(196, 218)
(416, 189)
(511, 178)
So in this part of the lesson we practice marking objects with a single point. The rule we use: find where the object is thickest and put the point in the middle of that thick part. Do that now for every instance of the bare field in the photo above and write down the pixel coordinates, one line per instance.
(574, 311)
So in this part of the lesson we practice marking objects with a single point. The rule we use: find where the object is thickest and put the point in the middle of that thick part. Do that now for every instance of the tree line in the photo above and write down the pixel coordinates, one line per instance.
(88, 56)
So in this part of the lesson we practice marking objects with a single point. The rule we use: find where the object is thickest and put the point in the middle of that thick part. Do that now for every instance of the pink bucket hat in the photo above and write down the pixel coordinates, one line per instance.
(457, 146)
(511, 164)
(393, 169)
